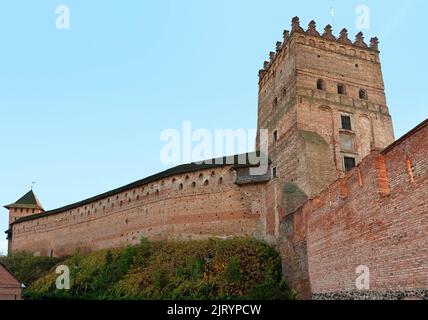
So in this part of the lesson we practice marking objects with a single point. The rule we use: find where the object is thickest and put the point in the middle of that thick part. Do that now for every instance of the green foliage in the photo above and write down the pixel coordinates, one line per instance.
(213, 269)
(27, 267)
(271, 291)
(233, 269)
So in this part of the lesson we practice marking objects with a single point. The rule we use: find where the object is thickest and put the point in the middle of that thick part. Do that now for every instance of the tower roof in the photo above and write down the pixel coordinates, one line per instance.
(29, 200)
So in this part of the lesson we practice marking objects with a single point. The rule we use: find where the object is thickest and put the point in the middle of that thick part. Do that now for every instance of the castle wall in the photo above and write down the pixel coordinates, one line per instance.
(213, 207)
(374, 216)
(377, 216)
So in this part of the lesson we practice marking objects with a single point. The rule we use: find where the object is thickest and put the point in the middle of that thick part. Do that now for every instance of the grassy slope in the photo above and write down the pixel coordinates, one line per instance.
(239, 269)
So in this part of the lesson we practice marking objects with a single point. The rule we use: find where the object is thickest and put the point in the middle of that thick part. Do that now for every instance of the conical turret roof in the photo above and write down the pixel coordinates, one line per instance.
(29, 200)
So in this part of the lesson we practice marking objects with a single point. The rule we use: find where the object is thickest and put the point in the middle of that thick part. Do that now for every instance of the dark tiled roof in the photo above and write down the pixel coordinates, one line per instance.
(29, 200)
(234, 161)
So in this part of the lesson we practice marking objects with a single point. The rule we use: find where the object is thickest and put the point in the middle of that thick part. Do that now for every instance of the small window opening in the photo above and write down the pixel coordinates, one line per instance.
(275, 102)
(363, 95)
(275, 136)
(346, 122)
(274, 173)
(320, 84)
(350, 163)
(284, 92)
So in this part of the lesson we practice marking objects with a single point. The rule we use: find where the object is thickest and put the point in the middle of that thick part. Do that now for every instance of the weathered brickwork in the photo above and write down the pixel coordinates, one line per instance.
(376, 216)
(10, 286)
(338, 194)
(185, 207)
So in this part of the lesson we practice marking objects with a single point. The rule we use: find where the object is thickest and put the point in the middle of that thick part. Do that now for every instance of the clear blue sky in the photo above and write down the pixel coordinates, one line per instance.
(82, 110)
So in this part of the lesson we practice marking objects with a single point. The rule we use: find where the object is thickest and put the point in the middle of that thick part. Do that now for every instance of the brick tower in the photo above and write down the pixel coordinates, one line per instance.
(26, 206)
(322, 99)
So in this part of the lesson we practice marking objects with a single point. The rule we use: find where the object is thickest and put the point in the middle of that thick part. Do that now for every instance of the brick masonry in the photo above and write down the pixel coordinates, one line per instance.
(189, 206)
(376, 216)
(10, 286)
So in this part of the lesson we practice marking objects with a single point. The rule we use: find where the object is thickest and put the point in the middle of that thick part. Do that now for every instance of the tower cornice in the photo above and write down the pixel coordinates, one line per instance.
(326, 41)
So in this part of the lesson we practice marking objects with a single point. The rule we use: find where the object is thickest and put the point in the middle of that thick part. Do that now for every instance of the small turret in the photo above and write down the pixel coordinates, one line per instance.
(25, 206)
(359, 41)
(328, 33)
(295, 25)
(343, 38)
(312, 29)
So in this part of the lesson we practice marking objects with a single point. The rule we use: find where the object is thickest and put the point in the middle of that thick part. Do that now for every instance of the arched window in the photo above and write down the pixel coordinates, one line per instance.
(363, 94)
(341, 89)
(320, 84)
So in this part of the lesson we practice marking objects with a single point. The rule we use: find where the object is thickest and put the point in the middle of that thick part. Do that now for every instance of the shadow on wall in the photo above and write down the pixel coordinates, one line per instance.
(294, 197)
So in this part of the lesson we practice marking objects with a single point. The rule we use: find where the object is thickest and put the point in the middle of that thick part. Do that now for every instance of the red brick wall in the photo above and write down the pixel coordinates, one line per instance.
(160, 210)
(18, 213)
(10, 287)
(376, 216)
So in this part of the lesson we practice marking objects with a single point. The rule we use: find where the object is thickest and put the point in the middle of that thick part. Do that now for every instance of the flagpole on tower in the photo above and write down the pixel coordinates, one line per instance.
(332, 17)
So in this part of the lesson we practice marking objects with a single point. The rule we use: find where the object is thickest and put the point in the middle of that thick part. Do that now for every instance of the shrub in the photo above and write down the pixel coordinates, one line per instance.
(27, 267)
(212, 269)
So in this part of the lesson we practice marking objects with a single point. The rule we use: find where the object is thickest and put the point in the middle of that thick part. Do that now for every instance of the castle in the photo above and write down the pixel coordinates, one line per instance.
(339, 192)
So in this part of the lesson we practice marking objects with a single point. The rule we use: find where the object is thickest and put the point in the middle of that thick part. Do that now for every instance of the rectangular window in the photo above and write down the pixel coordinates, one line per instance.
(274, 173)
(350, 163)
(346, 122)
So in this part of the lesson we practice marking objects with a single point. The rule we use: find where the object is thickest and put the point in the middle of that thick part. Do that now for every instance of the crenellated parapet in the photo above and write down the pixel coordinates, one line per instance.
(327, 40)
